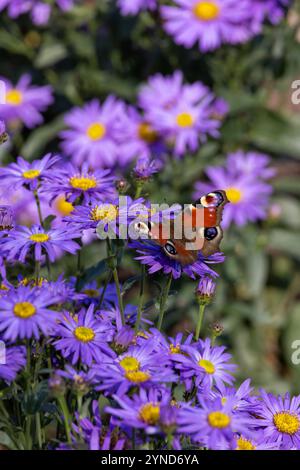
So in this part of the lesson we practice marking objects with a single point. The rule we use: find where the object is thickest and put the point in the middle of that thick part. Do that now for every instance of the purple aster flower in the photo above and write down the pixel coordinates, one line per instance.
(206, 289)
(93, 133)
(161, 91)
(21, 240)
(7, 218)
(145, 168)
(25, 102)
(268, 10)
(15, 360)
(279, 418)
(153, 256)
(113, 216)
(141, 411)
(24, 173)
(39, 10)
(83, 337)
(138, 138)
(24, 313)
(213, 424)
(240, 399)
(244, 185)
(169, 346)
(256, 443)
(97, 185)
(96, 435)
(208, 23)
(205, 365)
(80, 380)
(250, 163)
(132, 7)
(189, 120)
(140, 366)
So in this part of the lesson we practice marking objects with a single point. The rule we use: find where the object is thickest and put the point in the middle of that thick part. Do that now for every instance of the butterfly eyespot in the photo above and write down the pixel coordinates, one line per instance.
(210, 233)
(170, 249)
(214, 199)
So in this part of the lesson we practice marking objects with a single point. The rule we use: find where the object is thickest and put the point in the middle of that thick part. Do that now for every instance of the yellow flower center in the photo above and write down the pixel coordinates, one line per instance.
(244, 444)
(91, 293)
(63, 207)
(96, 131)
(207, 366)
(3, 287)
(286, 422)
(84, 183)
(137, 376)
(24, 310)
(234, 195)
(130, 364)
(149, 413)
(174, 349)
(84, 334)
(39, 237)
(185, 120)
(146, 133)
(14, 97)
(31, 174)
(219, 420)
(206, 11)
(108, 213)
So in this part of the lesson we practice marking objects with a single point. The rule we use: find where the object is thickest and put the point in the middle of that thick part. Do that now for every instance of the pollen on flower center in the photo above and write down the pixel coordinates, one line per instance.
(39, 237)
(150, 413)
(207, 366)
(24, 309)
(244, 444)
(63, 207)
(31, 174)
(146, 133)
(206, 11)
(84, 334)
(108, 213)
(91, 293)
(174, 349)
(286, 422)
(130, 364)
(96, 131)
(14, 97)
(84, 183)
(185, 120)
(219, 420)
(234, 195)
(137, 376)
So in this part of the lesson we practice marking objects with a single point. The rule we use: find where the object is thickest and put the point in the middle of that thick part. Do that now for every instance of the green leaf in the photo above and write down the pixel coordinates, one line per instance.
(50, 54)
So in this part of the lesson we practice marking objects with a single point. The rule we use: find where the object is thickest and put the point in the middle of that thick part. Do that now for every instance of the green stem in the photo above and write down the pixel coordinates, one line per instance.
(64, 408)
(38, 430)
(119, 295)
(200, 319)
(141, 300)
(106, 282)
(38, 205)
(37, 271)
(116, 279)
(138, 190)
(163, 301)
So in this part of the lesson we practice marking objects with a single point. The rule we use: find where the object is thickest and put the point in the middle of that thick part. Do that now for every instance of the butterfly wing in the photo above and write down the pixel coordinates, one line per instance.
(196, 229)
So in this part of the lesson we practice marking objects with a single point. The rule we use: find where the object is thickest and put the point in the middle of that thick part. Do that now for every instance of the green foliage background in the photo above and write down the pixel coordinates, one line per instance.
(92, 52)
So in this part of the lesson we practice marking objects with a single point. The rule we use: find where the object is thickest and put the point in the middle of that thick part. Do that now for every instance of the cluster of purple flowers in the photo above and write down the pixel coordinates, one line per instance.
(169, 391)
(172, 115)
(39, 10)
(210, 24)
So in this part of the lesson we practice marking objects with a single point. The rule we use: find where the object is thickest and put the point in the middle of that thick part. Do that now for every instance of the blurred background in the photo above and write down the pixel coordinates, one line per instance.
(93, 51)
